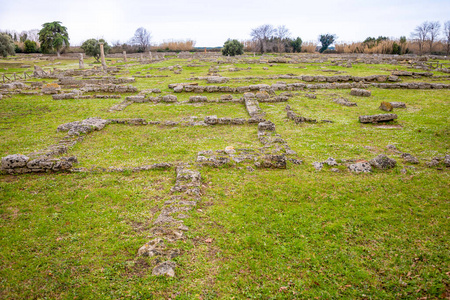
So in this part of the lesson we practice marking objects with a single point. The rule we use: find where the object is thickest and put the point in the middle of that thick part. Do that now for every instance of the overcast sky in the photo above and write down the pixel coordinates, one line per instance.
(211, 23)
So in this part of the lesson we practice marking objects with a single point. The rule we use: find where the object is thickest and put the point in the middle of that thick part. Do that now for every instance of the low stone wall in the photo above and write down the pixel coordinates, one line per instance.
(253, 108)
(110, 88)
(105, 80)
(322, 78)
(168, 227)
(20, 164)
(214, 120)
(296, 118)
(298, 86)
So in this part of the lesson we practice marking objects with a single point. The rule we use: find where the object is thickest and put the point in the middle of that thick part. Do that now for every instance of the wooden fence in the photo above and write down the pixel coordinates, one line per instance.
(16, 76)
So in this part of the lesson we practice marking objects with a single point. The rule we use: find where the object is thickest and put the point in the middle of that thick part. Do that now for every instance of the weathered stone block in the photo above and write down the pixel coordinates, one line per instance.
(447, 160)
(14, 161)
(377, 118)
(266, 126)
(410, 158)
(360, 167)
(398, 104)
(41, 163)
(164, 268)
(249, 95)
(345, 102)
(393, 78)
(238, 121)
(402, 73)
(198, 89)
(224, 121)
(253, 108)
(51, 88)
(212, 89)
(272, 161)
(360, 92)
(262, 95)
(226, 97)
(383, 162)
(211, 120)
(217, 79)
(169, 98)
(386, 106)
(178, 89)
(242, 89)
(137, 99)
(194, 99)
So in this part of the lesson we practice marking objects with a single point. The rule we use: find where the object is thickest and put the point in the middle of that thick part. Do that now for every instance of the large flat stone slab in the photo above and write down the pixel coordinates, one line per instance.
(377, 118)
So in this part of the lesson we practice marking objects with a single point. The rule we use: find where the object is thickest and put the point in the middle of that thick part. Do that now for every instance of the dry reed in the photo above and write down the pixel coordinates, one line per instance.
(177, 45)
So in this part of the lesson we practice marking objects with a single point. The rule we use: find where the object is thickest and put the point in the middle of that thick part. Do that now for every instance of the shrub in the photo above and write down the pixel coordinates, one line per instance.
(30, 47)
(17, 49)
(6, 45)
(232, 48)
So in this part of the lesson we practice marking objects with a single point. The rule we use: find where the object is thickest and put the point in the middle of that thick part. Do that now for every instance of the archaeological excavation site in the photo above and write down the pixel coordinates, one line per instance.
(196, 175)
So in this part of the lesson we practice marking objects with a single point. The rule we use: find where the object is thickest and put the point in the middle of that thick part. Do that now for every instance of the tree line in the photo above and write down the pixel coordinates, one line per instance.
(54, 38)
(267, 38)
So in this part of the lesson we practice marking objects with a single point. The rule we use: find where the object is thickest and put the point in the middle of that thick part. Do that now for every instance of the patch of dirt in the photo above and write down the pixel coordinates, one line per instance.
(12, 215)
(137, 268)
(154, 209)
(9, 178)
(205, 204)
(139, 226)
(385, 126)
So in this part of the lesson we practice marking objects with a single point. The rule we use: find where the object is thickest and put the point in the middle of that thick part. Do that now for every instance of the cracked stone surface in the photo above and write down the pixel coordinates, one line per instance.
(360, 167)
(410, 158)
(83, 127)
(165, 268)
(14, 161)
(383, 162)
(377, 118)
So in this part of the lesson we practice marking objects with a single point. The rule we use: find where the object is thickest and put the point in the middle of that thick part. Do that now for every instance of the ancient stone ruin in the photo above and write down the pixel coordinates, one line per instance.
(247, 93)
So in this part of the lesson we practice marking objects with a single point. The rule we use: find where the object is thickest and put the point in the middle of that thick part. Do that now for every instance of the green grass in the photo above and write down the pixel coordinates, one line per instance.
(424, 130)
(133, 146)
(326, 235)
(267, 234)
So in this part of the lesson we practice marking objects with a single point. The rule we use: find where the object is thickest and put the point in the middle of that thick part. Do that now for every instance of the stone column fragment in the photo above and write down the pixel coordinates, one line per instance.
(102, 54)
(81, 62)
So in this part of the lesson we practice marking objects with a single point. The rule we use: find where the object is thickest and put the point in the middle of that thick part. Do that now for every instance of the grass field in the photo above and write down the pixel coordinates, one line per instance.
(293, 233)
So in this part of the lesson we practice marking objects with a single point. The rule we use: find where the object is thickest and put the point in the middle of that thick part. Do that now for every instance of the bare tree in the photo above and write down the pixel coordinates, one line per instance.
(433, 28)
(447, 35)
(141, 38)
(420, 35)
(33, 35)
(23, 36)
(281, 33)
(262, 35)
